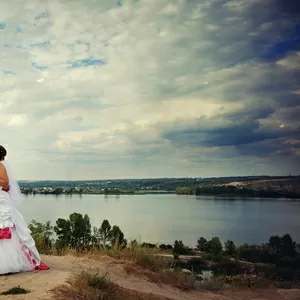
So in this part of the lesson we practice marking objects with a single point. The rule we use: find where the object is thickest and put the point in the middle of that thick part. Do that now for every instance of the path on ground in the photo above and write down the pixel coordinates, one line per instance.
(62, 267)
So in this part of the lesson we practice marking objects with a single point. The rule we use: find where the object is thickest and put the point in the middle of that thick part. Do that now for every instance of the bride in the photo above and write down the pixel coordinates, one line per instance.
(18, 252)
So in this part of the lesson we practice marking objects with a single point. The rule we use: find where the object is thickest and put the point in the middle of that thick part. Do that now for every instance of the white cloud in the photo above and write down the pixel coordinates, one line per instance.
(166, 65)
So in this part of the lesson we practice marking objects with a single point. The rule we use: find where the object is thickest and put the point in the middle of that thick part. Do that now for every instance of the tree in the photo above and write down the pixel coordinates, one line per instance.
(202, 244)
(104, 231)
(42, 234)
(230, 248)
(179, 248)
(282, 246)
(75, 231)
(116, 237)
(215, 246)
(288, 246)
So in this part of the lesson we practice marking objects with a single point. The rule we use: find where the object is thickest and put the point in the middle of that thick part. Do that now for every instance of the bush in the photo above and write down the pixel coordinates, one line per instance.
(165, 247)
(197, 264)
(180, 248)
(202, 244)
(230, 248)
(215, 246)
(42, 235)
(207, 256)
(226, 267)
(15, 291)
(251, 253)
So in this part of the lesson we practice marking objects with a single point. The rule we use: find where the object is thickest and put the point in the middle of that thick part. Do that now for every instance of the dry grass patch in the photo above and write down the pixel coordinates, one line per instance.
(174, 278)
(95, 286)
(150, 259)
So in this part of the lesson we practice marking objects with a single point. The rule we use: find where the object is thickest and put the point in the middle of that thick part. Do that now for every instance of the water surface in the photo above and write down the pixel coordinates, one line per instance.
(165, 218)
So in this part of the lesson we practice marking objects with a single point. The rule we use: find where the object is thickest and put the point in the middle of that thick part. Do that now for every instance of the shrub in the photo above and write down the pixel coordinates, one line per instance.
(15, 291)
(226, 267)
(42, 235)
(230, 248)
(180, 248)
(197, 264)
(215, 246)
(202, 244)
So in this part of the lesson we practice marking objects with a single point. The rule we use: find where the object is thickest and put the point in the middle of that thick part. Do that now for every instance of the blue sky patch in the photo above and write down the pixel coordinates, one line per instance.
(85, 62)
(39, 67)
(7, 72)
(45, 44)
(2, 26)
(281, 49)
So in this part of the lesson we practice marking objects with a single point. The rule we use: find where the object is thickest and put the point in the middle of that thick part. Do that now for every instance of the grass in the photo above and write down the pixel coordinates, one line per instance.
(95, 286)
(175, 278)
(15, 291)
(149, 263)
(150, 259)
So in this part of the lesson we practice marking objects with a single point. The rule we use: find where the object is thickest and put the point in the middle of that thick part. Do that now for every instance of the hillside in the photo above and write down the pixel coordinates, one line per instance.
(62, 267)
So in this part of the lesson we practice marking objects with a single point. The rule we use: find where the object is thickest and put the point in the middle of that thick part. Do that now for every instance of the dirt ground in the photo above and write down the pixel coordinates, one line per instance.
(40, 282)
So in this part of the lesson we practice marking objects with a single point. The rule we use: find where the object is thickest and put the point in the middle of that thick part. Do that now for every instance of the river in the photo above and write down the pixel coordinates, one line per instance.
(165, 218)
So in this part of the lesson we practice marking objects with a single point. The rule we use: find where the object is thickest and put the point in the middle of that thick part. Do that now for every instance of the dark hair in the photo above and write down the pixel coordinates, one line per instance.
(3, 153)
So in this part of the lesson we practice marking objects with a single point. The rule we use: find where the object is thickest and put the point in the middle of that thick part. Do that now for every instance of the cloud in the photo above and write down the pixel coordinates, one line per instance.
(160, 88)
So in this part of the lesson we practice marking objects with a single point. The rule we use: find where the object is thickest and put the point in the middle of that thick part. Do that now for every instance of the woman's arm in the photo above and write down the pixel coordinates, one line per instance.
(3, 177)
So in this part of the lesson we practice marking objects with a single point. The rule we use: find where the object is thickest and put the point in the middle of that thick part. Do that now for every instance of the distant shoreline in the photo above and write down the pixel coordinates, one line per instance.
(222, 196)
(250, 187)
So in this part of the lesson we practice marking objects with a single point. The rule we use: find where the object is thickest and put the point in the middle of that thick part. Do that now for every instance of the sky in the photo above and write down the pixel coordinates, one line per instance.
(150, 88)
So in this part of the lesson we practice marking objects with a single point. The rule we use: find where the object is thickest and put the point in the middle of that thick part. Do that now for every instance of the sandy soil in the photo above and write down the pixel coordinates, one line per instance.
(40, 282)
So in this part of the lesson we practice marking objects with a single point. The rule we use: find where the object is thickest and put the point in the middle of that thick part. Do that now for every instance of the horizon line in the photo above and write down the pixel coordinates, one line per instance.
(147, 178)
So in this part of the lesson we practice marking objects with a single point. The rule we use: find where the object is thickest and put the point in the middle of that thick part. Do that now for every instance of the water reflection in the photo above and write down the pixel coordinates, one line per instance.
(164, 218)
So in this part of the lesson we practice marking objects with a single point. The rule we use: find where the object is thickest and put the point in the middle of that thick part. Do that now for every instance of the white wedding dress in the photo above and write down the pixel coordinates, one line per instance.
(18, 252)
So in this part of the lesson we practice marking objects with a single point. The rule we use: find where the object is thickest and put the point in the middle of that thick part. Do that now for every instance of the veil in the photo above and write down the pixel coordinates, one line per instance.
(14, 189)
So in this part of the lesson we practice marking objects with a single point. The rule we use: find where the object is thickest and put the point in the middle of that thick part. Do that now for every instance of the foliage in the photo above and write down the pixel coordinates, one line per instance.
(240, 191)
(15, 291)
(117, 237)
(187, 190)
(226, 267)
(283, 246)
(42, 234)
(165, 247)
(202, 244)
(230, 248)
(180, 248)
(215, 246)
(74, 232)
(148, 245)
(102, 234)
(197, 264)
(278, 260)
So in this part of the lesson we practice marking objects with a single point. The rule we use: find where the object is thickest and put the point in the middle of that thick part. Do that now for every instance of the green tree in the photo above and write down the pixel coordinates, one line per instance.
(179, 248)
(116, 237)
(215, 246)
(230, 248)
(283, 246)
(42, 234)
(202, 244)
(75, 231)
(102, 234)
